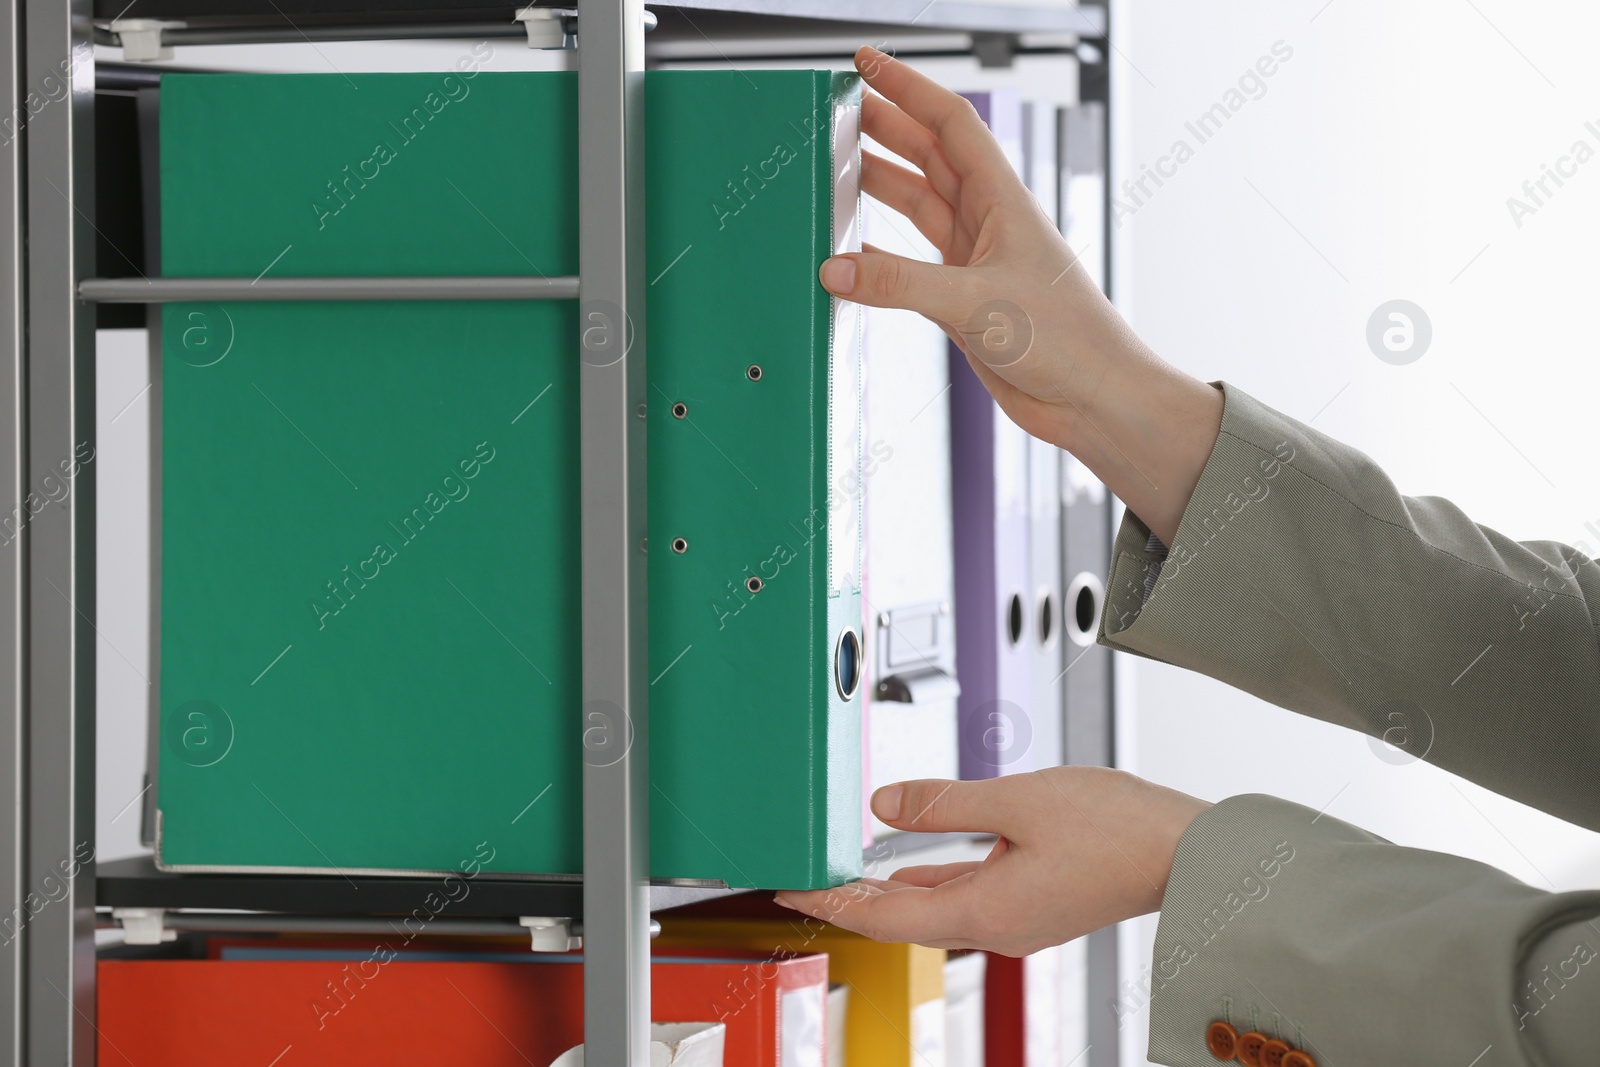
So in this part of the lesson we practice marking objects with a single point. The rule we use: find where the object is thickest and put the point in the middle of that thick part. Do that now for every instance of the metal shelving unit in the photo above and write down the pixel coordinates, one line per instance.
(49, 294)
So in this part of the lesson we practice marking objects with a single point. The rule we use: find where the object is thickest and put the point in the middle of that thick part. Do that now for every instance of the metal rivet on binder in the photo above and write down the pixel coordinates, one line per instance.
(680, 545)
(753, 584)
(753, 372)
(680, 410)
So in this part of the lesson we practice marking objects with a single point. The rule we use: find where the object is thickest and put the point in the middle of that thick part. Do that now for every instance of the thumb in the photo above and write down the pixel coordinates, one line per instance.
(931, 805)
(887, 280)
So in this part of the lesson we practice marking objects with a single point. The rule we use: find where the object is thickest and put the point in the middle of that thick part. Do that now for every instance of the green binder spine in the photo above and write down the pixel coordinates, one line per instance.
(369, 595)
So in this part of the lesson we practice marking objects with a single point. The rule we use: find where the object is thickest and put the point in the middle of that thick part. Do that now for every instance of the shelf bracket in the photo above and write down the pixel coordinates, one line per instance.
(550, 934)
(141, 38)
(548, 27)
(995, 49)
(144, 926)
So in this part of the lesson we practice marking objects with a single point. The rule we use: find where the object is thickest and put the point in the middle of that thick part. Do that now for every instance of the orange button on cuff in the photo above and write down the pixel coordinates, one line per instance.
(1273, 1052)
(1250, 1048)
(1222, 1040)
(1296, 1058)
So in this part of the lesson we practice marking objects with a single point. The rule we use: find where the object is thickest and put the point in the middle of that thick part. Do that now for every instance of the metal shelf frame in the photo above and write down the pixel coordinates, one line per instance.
(230, 21)
(135, 883)
(48, 294)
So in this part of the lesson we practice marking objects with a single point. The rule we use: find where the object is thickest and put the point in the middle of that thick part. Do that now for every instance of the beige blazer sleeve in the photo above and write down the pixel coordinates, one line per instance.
(1298, 573)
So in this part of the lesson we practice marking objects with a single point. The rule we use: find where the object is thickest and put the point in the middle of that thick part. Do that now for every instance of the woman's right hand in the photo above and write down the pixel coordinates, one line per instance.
(1056, 355)
(1009, 291)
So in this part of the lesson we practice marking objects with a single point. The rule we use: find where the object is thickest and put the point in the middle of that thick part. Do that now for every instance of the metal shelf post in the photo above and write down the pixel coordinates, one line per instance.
(12, 626)
(58, 706)
(615, 726)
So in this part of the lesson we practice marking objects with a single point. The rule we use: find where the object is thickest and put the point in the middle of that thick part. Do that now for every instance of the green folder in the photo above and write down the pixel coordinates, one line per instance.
(370, 597)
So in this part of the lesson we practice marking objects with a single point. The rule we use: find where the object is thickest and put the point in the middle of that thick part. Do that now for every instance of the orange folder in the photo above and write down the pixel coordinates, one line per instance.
(299, 1003)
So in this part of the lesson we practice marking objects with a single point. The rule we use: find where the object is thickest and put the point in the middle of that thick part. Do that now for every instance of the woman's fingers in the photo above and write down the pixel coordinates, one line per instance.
(903, 135)
(928, 875)
(949, 943)
(962, 137)
(911, 195)
(931, 805)
(886, 912)
(886, 280)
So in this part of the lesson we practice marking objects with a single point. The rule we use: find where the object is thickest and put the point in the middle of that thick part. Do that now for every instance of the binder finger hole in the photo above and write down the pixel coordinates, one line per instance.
(753, 372)
(680, 410)
(847, 663)
(1084, 598)
(1084, 610)
(680, 545)
(753, 584)
(1047, 617)
(1014, 619)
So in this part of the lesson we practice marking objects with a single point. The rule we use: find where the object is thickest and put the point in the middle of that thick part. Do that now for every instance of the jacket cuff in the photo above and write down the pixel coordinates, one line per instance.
(1145, 575)
(1299, 926)
(1234, 857)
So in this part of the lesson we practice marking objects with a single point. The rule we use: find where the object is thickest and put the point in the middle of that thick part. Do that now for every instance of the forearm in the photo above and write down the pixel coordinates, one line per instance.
(1141, 425)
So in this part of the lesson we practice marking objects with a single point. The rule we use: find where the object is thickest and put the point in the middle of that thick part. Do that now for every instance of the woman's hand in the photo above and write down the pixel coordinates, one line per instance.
(1046, 343)
(1021, 279)
(1080, 848)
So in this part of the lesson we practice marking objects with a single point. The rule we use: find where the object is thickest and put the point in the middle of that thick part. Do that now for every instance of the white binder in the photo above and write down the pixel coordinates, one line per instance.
(907, 575)
(1041, 170)
(964, 1009)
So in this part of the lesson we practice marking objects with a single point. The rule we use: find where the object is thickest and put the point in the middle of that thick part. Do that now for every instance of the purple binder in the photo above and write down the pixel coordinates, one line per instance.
(989, 487)
(989, 491)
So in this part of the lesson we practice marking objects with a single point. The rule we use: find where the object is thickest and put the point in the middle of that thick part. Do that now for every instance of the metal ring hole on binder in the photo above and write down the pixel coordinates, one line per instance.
(753, 583)
(1047, 617)
(753, 372)
(847, 663)
(1084, 598)
(680, 410)
(1014, 619)
(680, 545)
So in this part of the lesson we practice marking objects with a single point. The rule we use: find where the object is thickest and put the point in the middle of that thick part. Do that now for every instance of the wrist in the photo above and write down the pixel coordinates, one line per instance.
(1144, 427)
(1153, 819)
(1184, 810)
(1107, 385)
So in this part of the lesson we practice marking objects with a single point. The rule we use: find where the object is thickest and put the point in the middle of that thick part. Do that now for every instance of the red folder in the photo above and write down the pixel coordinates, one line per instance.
(1024, 1011)
(1004, 1013)
(357, 1003)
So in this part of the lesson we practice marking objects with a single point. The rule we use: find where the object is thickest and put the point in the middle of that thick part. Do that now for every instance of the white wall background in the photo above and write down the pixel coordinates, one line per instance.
(1376, 165)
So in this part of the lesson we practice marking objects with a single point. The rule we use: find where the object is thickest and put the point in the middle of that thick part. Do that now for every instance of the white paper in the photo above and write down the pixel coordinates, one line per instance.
(927, 1033)
(801, 1026)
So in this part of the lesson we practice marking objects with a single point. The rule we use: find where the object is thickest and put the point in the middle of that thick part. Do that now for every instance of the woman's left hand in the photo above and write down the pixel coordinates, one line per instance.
(1080, 848)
